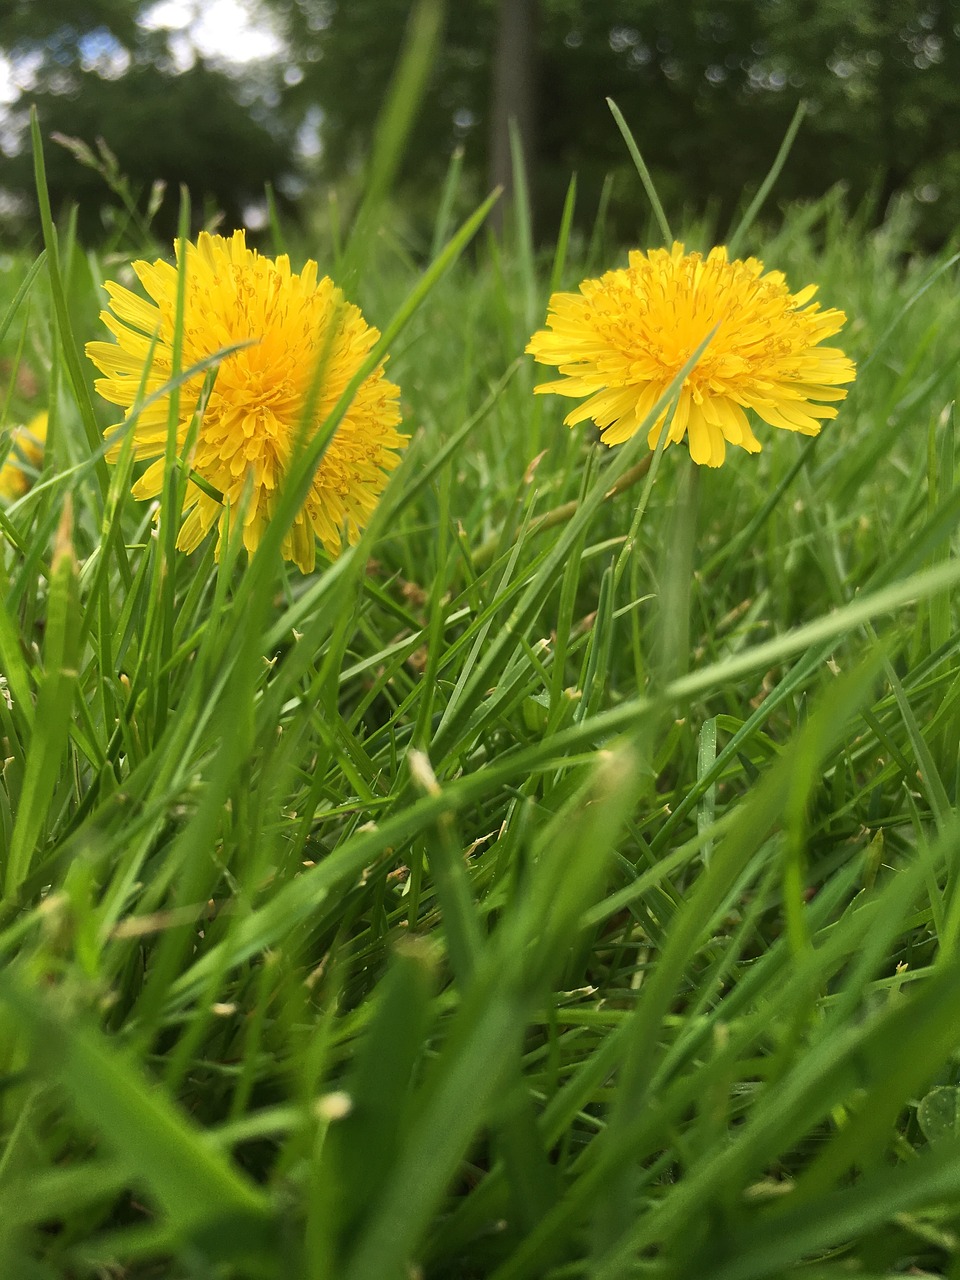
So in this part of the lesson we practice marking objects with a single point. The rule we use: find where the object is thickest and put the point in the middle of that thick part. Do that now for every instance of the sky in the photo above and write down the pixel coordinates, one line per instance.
(227, 30)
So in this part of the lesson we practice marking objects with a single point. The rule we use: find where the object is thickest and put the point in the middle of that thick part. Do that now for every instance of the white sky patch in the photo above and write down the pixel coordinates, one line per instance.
(230, 31)
(9, 92)
(17, 77)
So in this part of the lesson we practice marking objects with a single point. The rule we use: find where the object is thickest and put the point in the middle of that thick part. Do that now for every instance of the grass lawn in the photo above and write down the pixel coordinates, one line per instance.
(562, 882)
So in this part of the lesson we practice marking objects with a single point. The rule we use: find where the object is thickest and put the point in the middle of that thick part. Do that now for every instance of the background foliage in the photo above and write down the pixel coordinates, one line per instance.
(711, 85)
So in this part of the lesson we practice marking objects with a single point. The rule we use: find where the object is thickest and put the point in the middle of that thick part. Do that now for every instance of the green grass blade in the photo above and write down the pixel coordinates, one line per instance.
(643, 171)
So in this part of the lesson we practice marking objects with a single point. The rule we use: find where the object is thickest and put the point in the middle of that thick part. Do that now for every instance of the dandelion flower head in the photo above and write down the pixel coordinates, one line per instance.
(291, 325)
(621, 341)
(24, 458)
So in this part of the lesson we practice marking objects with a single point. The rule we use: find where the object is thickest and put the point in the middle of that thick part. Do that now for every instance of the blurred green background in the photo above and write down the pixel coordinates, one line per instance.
(227, 96)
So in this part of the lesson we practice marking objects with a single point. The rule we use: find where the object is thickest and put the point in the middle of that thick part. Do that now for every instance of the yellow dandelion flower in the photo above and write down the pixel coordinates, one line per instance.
(622, 340)
(24, 458)
(291, 322)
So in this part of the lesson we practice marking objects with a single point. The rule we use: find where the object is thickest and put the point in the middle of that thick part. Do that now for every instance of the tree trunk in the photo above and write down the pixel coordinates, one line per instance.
(514, 96)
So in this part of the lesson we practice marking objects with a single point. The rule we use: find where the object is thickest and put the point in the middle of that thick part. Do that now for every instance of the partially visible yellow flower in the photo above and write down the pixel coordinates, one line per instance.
(292, 322)
(24, 458)
(622, 340)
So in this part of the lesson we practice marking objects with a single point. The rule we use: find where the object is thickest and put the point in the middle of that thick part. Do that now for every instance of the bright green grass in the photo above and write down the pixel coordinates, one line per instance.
(461, 911)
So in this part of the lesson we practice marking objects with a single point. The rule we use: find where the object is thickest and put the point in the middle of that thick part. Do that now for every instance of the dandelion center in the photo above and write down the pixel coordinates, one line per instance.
(622, 340)
(288, 328)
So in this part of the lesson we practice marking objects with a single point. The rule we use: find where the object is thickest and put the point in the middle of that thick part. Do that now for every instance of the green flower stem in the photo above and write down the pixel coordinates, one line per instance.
(673, 659)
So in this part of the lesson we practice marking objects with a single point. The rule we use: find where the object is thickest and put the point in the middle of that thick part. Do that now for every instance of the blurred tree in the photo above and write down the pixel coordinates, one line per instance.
(96, 72)
(708, 86)
(513, 98)
(884, 81)
(49, 25)
(343, 55)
